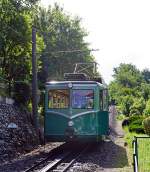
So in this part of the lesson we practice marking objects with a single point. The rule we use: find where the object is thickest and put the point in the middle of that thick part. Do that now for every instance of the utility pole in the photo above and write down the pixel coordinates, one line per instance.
(34, 80)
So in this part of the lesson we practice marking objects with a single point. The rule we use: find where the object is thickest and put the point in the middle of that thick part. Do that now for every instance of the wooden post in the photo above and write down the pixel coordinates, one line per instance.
(34, 80)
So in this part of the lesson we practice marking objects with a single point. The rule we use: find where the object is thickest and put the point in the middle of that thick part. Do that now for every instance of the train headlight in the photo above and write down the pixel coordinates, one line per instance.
(70, 85)
(70, 123)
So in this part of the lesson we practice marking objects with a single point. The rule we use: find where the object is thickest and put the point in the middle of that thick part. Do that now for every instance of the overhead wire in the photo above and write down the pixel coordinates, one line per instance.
(61, 51)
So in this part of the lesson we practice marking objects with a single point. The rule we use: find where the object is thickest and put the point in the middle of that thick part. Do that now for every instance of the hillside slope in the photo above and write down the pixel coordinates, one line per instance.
(14, 141)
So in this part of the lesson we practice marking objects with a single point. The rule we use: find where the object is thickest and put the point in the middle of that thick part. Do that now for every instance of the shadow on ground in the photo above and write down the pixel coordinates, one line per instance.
(107, 155)
(104, 155)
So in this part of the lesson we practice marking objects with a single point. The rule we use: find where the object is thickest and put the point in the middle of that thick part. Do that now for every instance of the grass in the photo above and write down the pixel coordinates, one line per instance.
(144, 154)
(143, 149)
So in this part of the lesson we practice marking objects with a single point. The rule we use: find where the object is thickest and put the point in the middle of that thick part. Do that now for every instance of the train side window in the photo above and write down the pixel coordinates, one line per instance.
(105, 99)
(101, 99)
(58, 99)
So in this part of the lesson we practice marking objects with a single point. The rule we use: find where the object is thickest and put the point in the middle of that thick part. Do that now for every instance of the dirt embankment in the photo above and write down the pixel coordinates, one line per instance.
(17, 134)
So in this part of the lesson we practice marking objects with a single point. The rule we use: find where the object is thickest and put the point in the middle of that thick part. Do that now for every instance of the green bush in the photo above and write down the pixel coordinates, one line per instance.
(137, 107)
(133, 118)
(128, 120)
(147, 109)
(22, 93)
(136, 125)
(121, 117)
(146, 124)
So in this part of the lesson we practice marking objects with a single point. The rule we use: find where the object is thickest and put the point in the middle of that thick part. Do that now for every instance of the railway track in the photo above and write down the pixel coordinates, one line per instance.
(60, 160)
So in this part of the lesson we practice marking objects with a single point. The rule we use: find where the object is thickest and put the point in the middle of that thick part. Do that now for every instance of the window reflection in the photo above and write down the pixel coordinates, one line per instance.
(83, 99)
(105, 102)
(58, 99)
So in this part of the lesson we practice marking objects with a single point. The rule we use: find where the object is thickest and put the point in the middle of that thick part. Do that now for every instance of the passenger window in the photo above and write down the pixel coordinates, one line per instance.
(101, 99)
(83, 99)
(105, 99)
(58, 99)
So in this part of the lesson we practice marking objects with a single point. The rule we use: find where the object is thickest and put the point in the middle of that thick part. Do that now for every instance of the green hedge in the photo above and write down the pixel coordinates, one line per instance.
(134, 123)
(135, 118)
(136, 126)
(146, 124)
(128, 120)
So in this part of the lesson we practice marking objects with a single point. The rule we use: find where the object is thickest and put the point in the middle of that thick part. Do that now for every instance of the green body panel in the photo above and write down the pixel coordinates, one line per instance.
(103, 121)
(55, 124)
(86, 124)
(91, 124)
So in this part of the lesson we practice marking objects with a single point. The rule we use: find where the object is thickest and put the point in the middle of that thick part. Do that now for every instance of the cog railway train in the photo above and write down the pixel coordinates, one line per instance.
(76, 109)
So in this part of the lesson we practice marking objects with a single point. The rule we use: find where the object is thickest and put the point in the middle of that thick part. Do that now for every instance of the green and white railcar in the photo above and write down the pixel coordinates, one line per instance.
(76, 110)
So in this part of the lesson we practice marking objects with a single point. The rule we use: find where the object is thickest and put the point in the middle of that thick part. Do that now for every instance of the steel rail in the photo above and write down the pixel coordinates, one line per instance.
(36, 165)
(54, 163)
(66, 161)
(59, 161)
(74, 159)
(52, 153)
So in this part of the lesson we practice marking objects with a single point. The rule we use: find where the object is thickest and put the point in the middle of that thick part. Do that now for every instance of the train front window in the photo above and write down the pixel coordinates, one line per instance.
(58, 99)
(82, 99)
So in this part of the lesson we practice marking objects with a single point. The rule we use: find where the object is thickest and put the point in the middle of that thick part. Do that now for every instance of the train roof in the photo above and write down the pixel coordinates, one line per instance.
(76, 82)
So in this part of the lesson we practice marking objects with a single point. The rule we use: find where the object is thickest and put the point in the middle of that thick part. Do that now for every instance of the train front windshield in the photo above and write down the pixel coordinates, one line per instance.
(80, 99)
(58, 99)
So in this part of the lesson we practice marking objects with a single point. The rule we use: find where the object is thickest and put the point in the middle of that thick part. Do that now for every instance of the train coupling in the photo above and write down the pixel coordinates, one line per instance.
(70, 133)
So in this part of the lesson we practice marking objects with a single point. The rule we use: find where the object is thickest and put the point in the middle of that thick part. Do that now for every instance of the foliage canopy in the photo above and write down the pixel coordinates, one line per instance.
(56, 31)
(130, 89)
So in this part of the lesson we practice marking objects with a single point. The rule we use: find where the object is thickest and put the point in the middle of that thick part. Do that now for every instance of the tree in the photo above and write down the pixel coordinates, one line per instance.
(146, 75)
(127, 75)
(15, 40)
(147, 109)
(129, 89)
(145, 91)
(125, 104)
(138, 106)
(61, 32)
